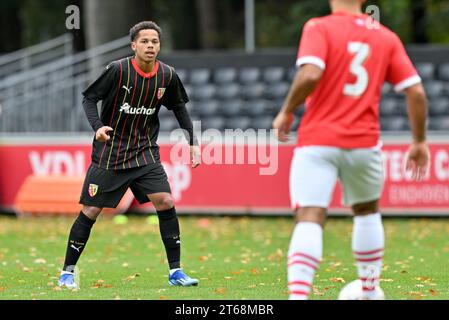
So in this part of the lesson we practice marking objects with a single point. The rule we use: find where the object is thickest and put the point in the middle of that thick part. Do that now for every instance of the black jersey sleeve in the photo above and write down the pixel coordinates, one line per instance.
(99, 90)
(183, 117)
(175, 94)
(104, 84)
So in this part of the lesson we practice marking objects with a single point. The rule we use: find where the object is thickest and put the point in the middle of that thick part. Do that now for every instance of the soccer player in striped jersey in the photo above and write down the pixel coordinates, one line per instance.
(125, 153)
(344, 59)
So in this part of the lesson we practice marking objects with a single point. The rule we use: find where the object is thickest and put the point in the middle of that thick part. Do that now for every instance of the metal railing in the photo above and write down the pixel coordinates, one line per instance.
(30, 57)
(47, 98)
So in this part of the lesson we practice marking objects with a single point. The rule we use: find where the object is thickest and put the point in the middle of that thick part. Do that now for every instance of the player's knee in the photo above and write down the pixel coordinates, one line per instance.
(91, 212)
(366, 208)
(165, 203)
(311, 214)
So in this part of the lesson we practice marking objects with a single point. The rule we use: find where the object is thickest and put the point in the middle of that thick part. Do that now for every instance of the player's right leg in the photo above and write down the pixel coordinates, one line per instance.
(78, 237)
(313, 176)
(101, 188)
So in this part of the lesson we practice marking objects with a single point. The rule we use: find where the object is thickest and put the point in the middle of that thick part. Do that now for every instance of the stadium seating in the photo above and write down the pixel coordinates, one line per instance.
(250, 97)
(223, 93)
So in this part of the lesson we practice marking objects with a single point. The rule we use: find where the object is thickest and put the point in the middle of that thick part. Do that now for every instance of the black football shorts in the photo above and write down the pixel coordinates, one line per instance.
(105, 188)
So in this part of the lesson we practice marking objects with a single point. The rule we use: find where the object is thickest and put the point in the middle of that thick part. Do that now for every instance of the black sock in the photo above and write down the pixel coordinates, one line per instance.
(169, 228)
(79, 234)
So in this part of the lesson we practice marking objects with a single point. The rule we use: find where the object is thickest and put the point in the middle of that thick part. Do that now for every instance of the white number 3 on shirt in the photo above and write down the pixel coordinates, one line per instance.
(361, 51)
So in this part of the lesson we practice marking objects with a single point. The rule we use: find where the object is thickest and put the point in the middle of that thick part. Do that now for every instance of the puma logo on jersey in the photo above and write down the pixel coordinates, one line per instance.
(128, 90)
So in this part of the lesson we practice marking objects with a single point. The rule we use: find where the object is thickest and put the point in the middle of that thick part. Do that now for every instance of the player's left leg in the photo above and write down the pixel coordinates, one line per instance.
(152, 185)
(362, 181)
(170, 234)
(313, 176)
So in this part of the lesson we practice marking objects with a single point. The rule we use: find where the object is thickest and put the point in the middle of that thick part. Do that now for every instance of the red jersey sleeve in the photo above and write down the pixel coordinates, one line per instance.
(313, 46)
(401, 72)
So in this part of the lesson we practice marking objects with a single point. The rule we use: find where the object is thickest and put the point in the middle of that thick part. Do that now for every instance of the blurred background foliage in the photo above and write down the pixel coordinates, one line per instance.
(204, 24)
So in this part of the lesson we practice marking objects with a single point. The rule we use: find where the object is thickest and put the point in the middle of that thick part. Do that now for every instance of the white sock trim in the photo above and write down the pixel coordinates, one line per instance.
(174, 270)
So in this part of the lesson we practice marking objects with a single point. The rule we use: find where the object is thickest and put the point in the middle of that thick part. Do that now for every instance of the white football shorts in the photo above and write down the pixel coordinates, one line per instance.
(315, 170)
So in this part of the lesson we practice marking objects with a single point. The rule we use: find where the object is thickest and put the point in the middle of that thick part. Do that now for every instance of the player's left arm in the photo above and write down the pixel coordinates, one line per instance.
(185, 123)
(404, 77)
(175, 99)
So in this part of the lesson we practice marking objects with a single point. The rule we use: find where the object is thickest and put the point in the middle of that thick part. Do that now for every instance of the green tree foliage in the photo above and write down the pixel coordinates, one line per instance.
(279, 23)
(42, 20)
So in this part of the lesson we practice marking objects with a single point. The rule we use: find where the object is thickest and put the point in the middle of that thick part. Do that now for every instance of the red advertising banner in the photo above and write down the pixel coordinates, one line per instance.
(239, 187)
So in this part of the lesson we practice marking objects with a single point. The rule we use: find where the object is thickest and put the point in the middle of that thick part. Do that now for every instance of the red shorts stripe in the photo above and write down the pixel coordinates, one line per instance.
(302, 262)
(298, 254)
(368, 252)
(304, 283)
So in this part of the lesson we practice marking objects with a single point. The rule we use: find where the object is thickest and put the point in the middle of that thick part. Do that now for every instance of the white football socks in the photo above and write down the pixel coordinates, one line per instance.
(368, 247)
(304, 256)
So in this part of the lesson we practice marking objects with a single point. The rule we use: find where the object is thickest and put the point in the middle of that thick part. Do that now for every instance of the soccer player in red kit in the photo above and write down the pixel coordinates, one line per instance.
(344, 59)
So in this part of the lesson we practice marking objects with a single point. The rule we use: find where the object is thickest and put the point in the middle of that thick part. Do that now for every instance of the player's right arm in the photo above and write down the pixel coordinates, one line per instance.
(99, 90)
(311, 62)
(404, 77)
(303, 85)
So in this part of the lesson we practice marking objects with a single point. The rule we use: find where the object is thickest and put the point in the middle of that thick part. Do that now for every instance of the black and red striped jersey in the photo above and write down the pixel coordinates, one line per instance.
(131, 100)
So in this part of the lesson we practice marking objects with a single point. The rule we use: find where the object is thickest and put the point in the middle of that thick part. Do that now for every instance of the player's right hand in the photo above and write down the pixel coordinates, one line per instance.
(102, 134)
(282, 124)
(418, 159)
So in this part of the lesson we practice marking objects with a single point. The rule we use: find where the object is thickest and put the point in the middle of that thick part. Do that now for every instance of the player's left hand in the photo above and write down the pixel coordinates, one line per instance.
(418, 159)
(195, 156)
(282, 124)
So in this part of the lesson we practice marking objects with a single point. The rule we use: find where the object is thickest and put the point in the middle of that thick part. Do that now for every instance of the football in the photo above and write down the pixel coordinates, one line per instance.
(353, 291)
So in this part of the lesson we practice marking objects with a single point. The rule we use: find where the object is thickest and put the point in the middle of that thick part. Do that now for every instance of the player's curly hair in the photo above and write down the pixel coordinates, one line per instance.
(144, 25)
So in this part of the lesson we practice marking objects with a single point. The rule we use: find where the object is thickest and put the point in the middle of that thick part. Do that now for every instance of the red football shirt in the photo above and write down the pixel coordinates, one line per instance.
(357, 58)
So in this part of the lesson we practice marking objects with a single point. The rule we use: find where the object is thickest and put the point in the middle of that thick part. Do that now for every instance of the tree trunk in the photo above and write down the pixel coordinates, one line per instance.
(107, 20)
(419, 17)
(208, 23)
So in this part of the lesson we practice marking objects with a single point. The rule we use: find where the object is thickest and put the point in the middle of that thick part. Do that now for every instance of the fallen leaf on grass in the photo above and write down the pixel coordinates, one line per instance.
(203, 223)
(433, 292)
(237, 272)
(334, 279)
(254, 271)
(415, 294)
(424, 279)
(98, 284)
(132, 277)
(220, 291)
(40, 260)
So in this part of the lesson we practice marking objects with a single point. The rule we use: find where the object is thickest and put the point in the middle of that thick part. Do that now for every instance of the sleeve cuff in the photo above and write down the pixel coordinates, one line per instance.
(312, 60)
(404, 84)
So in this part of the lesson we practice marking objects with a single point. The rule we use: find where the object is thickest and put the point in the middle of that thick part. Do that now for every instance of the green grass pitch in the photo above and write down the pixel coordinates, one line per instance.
(234, 258)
